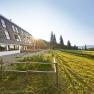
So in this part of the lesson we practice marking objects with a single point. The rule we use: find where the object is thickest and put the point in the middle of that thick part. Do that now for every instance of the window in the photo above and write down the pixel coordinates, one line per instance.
(22, 31)
(17, 37)
(3, 23)
(7, 34)
(2, 47)
(28, 39)
(16, 29)
(16, 47)
(11, 46)
(13, 28)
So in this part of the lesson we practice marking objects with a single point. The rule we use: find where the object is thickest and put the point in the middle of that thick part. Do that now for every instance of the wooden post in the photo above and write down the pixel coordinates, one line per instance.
(54, 64)
(7, 47)
(56, 71)
(1, 74)
(1, 64)
(56, 75)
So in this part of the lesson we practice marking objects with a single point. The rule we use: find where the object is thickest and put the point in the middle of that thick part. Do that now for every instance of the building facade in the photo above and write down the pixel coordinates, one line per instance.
(13, 39)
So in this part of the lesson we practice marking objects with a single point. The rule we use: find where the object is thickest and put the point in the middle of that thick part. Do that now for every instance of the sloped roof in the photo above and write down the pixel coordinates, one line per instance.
(21, 33)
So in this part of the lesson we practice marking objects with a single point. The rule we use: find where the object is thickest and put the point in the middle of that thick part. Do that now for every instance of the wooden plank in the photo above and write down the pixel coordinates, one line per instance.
(31, 63)
(28, 71)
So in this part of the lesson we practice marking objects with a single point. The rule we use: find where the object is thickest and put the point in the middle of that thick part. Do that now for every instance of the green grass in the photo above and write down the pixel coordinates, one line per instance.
(32, 66)
(41, 62)
(87, 54)
(75, 74)
(47, 58)
(22, 83)
(29, 83)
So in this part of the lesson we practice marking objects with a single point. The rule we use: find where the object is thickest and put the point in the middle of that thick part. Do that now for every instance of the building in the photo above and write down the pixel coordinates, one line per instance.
(13, 39)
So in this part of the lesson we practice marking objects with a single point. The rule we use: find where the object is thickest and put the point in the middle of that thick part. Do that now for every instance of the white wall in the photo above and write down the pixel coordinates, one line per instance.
(9, 52)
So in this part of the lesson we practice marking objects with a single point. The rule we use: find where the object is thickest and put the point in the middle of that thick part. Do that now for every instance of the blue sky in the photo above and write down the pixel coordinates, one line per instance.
(73, 19)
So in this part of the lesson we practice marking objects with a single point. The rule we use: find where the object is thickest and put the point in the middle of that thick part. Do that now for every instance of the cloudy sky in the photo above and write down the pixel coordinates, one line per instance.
(73, 19)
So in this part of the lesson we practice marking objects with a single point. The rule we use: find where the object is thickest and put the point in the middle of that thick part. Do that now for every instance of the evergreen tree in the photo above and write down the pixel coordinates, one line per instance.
(53, 40)
(75, 47)
(61, 42)
(68, 45)
(85, 47)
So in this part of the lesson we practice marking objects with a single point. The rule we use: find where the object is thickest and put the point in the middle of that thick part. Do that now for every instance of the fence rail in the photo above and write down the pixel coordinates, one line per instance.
(31, 71)
(43, 75)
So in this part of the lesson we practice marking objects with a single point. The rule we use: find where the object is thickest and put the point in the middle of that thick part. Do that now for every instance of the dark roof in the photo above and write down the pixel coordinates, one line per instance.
(14, 23)
(26, 38)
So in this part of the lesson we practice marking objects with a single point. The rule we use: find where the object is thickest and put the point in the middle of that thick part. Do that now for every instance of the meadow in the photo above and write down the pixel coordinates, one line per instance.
(29, 76)
(75, 74)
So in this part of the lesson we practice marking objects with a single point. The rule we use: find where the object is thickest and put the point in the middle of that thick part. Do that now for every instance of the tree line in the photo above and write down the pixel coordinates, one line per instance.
(43, 44)
(60, 45)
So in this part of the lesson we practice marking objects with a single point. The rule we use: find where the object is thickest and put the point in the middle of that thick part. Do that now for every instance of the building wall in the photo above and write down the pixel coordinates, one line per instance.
(9, 52)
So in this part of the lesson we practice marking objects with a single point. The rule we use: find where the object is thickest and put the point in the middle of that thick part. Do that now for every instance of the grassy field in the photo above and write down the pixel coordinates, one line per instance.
(75, 74)
(12, 82)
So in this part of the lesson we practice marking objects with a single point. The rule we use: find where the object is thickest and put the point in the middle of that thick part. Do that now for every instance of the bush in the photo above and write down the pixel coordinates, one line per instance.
(37, 58)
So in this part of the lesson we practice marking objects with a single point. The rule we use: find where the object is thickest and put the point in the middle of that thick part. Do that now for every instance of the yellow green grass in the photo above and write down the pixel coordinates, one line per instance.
(12, 82)
(76, 73)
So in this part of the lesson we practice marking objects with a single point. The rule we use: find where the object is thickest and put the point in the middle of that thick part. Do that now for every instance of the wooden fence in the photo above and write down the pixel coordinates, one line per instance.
(28, 72)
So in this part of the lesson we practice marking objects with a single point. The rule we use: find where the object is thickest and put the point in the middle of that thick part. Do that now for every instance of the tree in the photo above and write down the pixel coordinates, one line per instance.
(53, 40)
(75, 47)
(68, 45)
(85, 47)
(61, 42)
